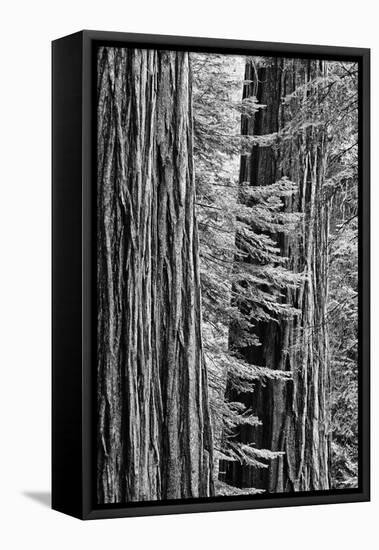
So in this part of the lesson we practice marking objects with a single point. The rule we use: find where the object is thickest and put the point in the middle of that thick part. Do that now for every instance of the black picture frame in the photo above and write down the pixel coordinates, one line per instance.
(73, 292)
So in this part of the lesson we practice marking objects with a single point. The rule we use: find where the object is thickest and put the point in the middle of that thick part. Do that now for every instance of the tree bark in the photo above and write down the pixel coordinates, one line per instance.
(295, 414)
(154, 433)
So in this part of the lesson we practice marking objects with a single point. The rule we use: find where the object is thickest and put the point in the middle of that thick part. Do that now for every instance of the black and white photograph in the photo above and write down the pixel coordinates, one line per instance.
(227, 275)
(189, 305)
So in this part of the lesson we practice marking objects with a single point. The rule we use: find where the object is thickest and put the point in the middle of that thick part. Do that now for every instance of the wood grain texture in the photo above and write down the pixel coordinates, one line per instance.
(154, 433)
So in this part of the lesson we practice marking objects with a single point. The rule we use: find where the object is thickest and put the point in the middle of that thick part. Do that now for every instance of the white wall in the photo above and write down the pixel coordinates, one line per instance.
(27, 29)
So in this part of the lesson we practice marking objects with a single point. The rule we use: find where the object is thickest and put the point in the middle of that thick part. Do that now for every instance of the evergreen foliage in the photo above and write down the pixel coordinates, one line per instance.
(245, 278)
(241, 262)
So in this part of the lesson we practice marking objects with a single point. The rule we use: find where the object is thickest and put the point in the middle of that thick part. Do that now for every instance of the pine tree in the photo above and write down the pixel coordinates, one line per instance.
(309, 104)
(241, 265)
(341, 94)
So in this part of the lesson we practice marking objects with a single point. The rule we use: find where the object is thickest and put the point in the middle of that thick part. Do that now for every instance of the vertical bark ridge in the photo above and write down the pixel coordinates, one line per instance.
(154, 434)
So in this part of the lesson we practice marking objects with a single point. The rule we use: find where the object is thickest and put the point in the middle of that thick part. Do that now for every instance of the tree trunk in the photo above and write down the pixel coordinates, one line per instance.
(154, 433)
(295, 414)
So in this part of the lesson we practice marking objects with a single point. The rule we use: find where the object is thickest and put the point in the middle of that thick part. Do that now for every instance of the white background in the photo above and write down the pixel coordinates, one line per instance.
(27, 29)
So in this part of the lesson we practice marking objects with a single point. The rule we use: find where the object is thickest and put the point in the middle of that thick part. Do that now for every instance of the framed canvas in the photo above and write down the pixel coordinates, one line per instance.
(210, 275)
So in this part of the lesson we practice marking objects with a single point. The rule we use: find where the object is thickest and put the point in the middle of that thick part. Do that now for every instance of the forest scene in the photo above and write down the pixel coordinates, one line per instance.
(227, 275)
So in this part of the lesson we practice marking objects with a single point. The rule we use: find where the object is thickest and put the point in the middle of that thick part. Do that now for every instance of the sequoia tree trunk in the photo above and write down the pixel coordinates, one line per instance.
(295, 414)
(154, 432)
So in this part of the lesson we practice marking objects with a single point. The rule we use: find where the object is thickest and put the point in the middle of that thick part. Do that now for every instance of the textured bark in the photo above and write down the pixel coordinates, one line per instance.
(154, 434)
(295, 414)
